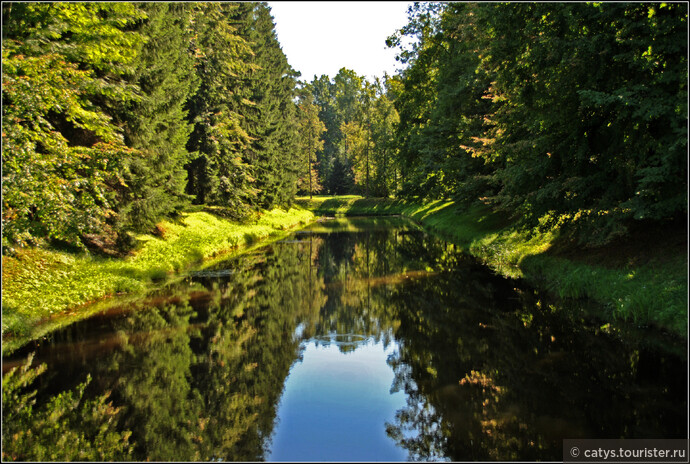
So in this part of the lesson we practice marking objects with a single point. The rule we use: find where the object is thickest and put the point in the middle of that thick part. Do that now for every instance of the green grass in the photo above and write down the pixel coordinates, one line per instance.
(652, 293)
(43, 288)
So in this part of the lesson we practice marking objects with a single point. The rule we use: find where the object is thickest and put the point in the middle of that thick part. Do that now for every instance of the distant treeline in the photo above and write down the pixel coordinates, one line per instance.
(118, 114)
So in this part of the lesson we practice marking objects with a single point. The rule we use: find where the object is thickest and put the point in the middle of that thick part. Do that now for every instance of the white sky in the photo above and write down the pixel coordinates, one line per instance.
(322, 37)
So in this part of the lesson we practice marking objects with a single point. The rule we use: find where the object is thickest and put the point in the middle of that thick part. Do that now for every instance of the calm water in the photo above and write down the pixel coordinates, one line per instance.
(364, 340)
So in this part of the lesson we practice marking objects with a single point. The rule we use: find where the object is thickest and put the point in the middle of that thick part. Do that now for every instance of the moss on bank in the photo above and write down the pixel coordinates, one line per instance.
(652, 292)
(43, 287)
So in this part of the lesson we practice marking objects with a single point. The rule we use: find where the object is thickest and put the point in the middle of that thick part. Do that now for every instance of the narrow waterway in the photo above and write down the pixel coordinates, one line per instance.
(363, 340)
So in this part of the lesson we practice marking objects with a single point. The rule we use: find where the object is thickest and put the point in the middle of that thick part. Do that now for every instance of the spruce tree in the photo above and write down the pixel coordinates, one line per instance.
(271, 120)
(218, 173)
(157, 123)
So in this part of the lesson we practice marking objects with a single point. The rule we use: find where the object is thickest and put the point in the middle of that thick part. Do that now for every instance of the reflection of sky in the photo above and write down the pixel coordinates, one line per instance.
(335, 406)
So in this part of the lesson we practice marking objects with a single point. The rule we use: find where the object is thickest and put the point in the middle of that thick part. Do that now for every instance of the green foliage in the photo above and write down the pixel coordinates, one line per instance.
(68, 427)
(115, 115)
(359, 148)
(271, 120)
(63, 157)
(244, 116)
(311, 128)
(218, 173)
(157, 122)
(383, 121)
(322, 90)
(575, 112)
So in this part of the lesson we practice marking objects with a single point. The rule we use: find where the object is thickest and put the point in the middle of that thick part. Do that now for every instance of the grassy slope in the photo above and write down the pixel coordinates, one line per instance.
(649, 292)
(43, 288)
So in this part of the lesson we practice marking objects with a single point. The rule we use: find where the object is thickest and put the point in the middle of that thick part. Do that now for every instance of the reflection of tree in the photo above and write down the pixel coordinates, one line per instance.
(490, 372)
(360, 270)
(161, 407)
(490, 375)
(198, 370)
(66, 428)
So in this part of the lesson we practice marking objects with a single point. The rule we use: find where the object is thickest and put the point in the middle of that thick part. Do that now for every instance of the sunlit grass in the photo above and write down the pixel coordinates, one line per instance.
(651, 294)
(41, 284)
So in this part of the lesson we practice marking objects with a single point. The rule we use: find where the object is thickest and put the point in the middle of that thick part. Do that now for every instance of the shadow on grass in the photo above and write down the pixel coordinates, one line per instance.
(644, 296)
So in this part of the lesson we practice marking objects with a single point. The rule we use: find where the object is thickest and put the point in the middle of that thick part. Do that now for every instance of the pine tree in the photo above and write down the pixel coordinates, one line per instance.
(157, 123)
(271, 121)
(218, 173)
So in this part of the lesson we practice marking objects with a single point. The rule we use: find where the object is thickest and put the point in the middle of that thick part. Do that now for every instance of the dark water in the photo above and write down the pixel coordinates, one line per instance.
(363, 340)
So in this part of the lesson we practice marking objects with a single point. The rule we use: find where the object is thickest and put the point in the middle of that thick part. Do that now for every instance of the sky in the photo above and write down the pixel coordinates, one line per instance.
(322, 37)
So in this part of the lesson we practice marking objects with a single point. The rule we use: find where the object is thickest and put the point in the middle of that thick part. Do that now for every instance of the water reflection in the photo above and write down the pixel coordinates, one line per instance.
(335, 405)
(495, 373)
(366, 335)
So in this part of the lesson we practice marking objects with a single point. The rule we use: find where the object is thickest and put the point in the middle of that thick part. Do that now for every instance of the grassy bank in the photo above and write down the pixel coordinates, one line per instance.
(43, 287)
(644, 282)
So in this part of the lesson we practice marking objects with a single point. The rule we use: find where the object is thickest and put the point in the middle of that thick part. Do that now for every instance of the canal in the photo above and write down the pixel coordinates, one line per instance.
(363, 339)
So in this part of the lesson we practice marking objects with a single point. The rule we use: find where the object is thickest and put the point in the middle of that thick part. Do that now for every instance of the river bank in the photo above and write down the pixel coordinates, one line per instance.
(370, 318)
(642, 280)
(46, 288)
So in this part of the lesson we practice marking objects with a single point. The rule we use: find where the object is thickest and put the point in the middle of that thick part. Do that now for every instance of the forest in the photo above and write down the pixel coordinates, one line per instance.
(144, 143)
(116, 115)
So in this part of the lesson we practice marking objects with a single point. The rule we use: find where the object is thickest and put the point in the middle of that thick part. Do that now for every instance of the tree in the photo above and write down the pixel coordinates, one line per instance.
(563, 114)
(356, 141)
(271, 120)
(384, 119)
(582, 112)
(339, 104)
(218, 173)
(68, 427)
(416, 99)
(322, 89)
(63, 156)
(311, 129)
(156, 124)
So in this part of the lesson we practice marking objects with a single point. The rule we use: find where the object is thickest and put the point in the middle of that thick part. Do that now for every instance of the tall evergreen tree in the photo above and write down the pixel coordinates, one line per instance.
(157, 123)
(271, 120)
(218, 172)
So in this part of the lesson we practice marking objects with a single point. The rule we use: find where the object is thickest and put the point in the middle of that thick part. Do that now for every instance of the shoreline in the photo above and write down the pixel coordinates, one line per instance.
(44, 288)
(68, 287)
(652, 293)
